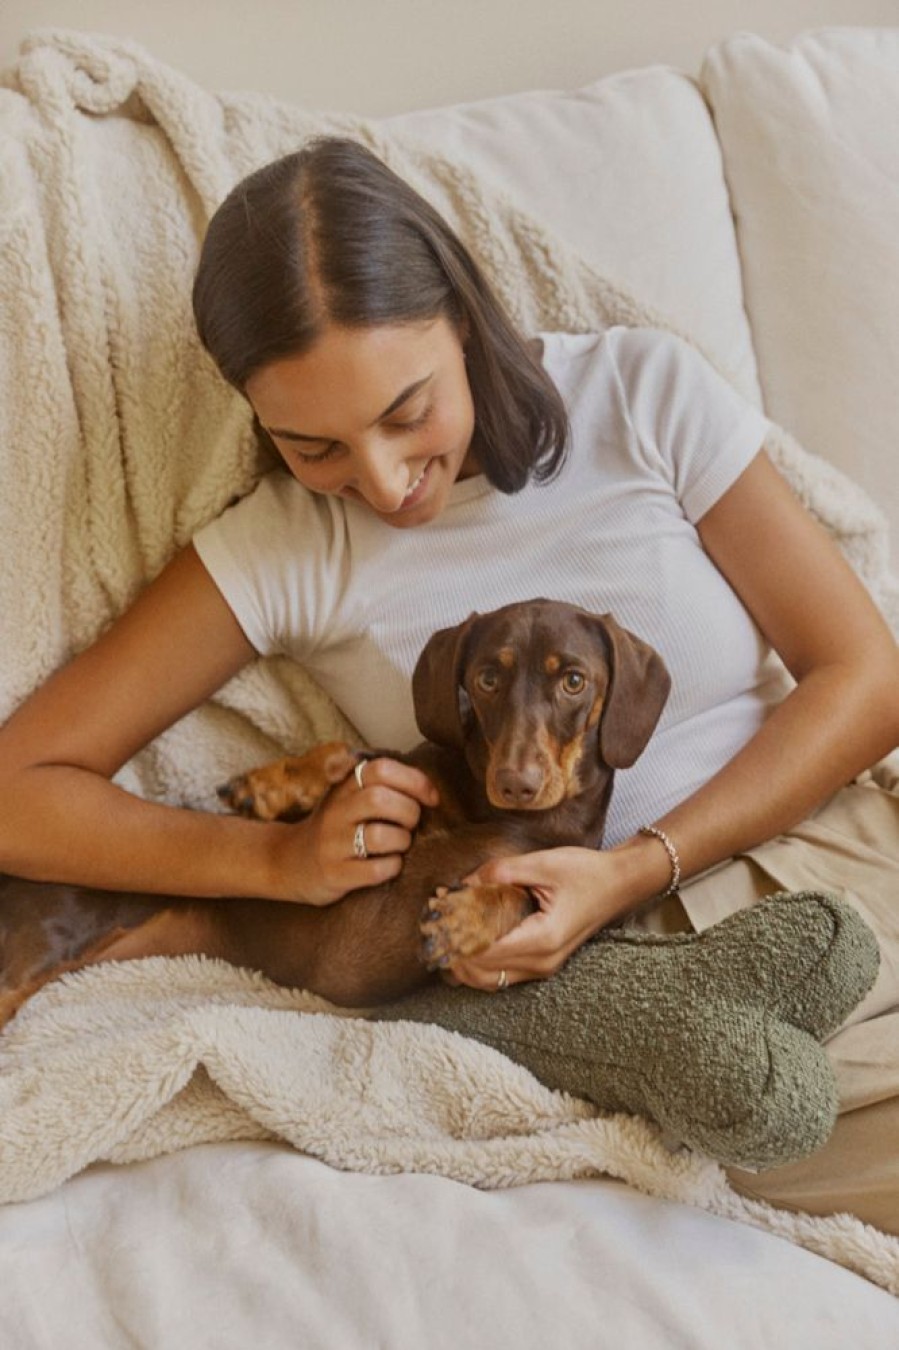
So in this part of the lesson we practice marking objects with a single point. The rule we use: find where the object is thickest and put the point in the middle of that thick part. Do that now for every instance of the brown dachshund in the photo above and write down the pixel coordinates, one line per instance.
(528, 711)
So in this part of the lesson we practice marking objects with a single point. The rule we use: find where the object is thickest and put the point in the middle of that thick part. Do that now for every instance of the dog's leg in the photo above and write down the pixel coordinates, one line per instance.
(290, 788)
(48, 930)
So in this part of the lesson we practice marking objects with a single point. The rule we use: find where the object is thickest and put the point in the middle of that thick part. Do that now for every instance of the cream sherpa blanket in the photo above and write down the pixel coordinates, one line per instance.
(129, 1061)
(118, 441)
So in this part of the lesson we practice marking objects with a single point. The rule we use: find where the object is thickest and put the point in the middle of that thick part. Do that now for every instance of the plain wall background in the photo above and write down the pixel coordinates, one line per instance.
(382, 56)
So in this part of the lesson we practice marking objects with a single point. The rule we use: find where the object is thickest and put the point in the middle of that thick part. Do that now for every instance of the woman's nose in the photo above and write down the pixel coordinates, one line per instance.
(382, 481)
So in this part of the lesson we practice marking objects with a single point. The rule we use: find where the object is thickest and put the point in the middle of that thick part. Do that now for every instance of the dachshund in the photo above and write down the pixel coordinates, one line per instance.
(527, 712)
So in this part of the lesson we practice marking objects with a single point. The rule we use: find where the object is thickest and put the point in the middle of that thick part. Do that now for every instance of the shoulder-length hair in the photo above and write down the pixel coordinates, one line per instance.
(330, 235)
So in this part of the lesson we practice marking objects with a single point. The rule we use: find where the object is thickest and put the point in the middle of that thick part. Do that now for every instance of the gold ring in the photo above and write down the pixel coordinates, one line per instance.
(358, 771)
(359, 849)
(502, 981)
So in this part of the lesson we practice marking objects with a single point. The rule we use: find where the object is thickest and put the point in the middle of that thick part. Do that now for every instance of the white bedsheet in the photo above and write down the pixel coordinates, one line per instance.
(254, 1245)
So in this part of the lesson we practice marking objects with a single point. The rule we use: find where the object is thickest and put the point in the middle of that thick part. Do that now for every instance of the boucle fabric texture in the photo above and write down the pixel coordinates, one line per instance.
(714, 1035)
(119, 440)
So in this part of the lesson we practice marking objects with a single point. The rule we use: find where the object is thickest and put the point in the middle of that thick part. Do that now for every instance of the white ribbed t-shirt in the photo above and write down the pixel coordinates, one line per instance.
(657, 436)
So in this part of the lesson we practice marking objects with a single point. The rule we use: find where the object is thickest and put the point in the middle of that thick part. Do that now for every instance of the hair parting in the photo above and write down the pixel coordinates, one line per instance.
(331, 235)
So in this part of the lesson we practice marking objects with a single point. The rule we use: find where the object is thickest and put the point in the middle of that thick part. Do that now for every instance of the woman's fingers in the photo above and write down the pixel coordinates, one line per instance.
(567, 883)
(379, 839)
(485, 971)
(396, 776)
(570, 878)
(363, 832)
(531, 951)
(390, 793)
(488, 980)
(523, 869)
(387, 804)
(372, 872)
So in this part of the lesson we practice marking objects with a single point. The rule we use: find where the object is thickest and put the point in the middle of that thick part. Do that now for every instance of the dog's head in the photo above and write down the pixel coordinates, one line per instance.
(539, 695)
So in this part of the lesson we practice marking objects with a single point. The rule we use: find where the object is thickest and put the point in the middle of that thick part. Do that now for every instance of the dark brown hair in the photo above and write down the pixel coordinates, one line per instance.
(330, 234)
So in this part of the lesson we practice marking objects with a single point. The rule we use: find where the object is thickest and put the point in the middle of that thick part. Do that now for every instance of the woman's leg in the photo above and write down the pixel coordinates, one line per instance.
(850, 846)
(857, 1170)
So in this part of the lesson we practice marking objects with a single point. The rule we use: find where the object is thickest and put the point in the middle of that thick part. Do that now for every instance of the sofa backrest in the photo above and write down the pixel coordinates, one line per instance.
(810, 139)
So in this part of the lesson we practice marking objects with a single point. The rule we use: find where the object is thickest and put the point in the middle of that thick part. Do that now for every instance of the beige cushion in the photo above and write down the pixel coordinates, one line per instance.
(811, 152)
(628, 171)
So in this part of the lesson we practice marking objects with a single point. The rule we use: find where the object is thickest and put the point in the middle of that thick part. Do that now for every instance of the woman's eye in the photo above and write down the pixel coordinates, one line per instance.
(573, 682)
(418, 421)
(487, 681)
(328, 453)
(335, 447)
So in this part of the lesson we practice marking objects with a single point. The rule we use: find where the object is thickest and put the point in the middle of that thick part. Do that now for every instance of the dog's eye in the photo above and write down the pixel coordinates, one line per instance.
(573, 682)
(487, 681)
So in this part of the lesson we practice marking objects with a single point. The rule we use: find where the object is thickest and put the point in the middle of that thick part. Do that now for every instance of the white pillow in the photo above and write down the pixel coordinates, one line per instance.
(628, 171)
(810, 137)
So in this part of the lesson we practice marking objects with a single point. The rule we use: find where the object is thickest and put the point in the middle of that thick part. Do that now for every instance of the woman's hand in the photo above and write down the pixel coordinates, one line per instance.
(316, 858)
(577, 891)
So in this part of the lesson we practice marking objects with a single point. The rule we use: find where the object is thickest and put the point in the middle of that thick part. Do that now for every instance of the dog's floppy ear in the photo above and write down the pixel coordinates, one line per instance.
(435, 685)
(639, 684)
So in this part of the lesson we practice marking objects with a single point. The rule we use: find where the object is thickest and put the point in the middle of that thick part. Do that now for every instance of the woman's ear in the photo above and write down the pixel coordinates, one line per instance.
(436, 683)
(639, 685)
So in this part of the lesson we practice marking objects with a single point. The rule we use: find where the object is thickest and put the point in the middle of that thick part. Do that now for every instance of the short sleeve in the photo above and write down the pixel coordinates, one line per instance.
(690, 424)
(269, 555)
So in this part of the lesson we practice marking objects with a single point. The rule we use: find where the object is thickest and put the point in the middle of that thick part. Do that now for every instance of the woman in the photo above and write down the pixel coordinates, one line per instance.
(436, 464)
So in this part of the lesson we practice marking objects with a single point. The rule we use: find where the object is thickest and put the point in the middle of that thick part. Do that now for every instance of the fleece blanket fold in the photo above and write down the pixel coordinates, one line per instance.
(118, 440)
(131, 1060)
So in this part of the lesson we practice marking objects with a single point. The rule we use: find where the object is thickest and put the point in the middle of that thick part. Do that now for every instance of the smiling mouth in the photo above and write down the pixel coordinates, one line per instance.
(414, 487)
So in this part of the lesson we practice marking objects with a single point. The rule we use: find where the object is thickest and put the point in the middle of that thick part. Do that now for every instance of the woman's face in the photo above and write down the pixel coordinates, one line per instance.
(378, 415)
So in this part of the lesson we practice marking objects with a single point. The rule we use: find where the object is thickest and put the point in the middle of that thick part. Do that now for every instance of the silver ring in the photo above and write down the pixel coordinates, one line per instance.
(359, 849)
(502, 981)
(358, 772)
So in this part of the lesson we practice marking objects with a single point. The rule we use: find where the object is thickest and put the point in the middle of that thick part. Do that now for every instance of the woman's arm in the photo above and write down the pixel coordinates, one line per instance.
(842, 716)
(61, 818)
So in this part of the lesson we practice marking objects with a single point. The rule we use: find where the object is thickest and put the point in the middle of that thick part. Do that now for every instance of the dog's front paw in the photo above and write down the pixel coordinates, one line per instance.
(289, 788)
(463, 920)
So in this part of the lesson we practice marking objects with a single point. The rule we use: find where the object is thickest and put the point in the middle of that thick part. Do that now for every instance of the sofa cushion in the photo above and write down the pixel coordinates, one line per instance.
(628, 171)
(812, 160)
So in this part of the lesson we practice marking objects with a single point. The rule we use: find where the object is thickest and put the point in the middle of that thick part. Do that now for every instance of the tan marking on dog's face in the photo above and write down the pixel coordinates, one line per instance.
(596, 711)
(553, 664)
(506, 657)
(570, 762)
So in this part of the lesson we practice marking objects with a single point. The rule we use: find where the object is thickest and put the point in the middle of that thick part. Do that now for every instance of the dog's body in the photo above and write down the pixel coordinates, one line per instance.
(555, 699)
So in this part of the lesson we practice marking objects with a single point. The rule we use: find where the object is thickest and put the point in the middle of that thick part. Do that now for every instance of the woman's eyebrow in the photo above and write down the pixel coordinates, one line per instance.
(409, 392)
